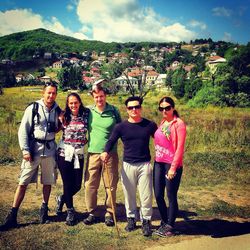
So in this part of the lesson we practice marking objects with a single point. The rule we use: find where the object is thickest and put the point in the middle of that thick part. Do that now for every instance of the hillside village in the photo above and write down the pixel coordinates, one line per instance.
(202, 72)
(91, 64)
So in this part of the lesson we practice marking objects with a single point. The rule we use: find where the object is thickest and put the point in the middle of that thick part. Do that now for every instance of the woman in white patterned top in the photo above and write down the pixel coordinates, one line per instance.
(71, 153)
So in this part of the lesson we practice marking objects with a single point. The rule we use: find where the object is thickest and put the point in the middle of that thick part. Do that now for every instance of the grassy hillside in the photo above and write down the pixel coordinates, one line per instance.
(23, 45)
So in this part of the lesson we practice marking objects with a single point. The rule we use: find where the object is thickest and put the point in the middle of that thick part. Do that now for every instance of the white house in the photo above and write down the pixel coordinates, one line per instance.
(160, 81)
(122, 82)
(213, 62)
(45, 79)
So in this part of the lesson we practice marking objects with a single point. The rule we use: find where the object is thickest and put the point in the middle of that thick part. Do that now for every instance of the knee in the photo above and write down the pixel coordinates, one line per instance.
(159, 195)
(172, 197)
(22, 187)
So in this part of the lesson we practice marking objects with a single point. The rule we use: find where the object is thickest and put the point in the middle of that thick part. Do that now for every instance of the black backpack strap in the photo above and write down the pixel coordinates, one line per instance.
(117, 116)
(34, 113)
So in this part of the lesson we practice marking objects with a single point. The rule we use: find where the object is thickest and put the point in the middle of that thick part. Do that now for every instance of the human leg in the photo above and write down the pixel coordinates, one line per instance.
(48, 177)
(145, 192)
(77, 177)
(66, 171)
(11, 218)
(159, 184)
(28, 174)
(110, 180)
(145, 189)
(92, 183)
(129, 185)
(172, 189)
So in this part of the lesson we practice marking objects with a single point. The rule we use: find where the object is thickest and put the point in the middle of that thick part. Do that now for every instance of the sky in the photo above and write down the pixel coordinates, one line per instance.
(131, 20)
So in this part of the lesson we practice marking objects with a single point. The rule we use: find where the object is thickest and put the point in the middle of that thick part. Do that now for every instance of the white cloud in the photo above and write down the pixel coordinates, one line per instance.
(194, 23)
(70, 7)
(227, 37)
(125, 20)
(19, 20)
(12, 21)
(222, 11)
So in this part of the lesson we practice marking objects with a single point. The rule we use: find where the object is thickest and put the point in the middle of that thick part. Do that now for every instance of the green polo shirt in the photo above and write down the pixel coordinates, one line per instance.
(101, 126)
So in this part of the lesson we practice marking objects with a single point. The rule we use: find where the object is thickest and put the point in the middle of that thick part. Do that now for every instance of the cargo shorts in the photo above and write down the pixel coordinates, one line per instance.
(29, 171)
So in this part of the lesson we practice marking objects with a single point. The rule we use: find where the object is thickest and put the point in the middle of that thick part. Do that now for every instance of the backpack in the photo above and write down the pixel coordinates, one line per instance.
(36, 114)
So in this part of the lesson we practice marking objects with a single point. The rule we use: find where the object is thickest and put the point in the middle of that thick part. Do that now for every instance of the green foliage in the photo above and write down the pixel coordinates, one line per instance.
(239, 99)
(178, 82)
(208, 95)
(192, 86)
(70, 78)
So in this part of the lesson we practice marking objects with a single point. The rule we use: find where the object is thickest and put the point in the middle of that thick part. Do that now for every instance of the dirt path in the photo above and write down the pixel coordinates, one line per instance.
(241, 242)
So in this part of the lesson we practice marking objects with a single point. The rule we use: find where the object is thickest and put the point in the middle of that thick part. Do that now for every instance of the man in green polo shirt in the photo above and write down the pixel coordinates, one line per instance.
(102, 120)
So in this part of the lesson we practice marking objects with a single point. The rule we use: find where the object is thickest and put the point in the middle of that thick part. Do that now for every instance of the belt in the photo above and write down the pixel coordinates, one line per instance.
(44, 141)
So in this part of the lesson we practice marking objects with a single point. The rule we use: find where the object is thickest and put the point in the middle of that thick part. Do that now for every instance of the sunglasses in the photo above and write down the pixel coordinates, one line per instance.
(165, 108)
(134, 107)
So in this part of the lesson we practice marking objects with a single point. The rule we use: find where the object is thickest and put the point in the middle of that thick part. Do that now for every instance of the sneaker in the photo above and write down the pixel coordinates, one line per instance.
(146, 228)
(59, 204)
(71, 220)
(44, 214)
(160, 231)
(109, 221)
(10, 221)
(131, 224)
(165, 231)
(90, 220)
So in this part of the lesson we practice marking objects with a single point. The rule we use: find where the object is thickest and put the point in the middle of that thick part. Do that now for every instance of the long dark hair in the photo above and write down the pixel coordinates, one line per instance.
(67, 112)
(171, 102)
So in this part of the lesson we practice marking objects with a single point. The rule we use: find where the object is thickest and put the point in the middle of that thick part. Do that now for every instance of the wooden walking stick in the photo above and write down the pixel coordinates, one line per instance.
(112, 202)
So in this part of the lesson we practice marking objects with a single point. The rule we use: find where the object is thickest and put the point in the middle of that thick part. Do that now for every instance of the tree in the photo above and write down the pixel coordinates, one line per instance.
(71, 78)
(178, 82)
(192, 86)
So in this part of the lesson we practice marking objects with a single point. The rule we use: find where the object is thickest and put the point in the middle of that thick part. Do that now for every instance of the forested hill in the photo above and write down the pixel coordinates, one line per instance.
(23, 45)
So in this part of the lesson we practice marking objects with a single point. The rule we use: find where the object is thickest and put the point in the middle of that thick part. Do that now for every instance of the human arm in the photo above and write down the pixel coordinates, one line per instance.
(115, 135)
(179, 143)
(24, 133)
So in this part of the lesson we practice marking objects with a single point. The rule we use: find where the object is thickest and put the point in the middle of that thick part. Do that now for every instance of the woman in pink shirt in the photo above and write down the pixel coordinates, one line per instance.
(169, 140)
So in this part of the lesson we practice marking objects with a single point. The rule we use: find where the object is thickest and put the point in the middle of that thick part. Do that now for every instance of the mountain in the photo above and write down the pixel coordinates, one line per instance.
(23, 45)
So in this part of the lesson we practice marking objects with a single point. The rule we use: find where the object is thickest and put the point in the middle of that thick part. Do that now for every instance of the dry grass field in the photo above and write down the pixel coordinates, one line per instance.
(213, 197)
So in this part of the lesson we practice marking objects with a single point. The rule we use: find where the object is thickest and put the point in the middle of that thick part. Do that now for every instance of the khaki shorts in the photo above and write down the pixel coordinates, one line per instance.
(29, 171)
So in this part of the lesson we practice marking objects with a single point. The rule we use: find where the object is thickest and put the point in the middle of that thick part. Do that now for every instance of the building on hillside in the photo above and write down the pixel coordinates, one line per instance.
(45, 79)
(19, 77)
(122, 82)
(47, 55)
(94, 55)
(134, 72)
(58, 64)
(213, 62)
(188, 69)
(161, 80)
(74, 60)
(151, 77)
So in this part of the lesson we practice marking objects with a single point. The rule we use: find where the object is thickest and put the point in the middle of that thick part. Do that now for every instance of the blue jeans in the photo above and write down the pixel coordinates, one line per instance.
(160, 182)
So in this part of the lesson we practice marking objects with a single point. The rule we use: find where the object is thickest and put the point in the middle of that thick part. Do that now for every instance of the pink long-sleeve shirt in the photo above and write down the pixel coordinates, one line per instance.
(169, 140)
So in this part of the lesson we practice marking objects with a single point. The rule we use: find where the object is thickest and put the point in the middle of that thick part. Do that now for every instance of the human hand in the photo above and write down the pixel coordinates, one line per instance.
(104, 156)
(171, 174)
(27, 157)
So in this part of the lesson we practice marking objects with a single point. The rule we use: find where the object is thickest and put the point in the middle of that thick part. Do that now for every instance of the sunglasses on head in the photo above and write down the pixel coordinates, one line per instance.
(134, 107)
(165, 108)
(50, 84)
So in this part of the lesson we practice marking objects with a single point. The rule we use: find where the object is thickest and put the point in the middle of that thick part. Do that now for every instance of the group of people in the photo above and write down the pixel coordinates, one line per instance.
(100, 126)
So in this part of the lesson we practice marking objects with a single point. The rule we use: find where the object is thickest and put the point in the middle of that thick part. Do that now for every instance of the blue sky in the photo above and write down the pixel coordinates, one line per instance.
(131, 20)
